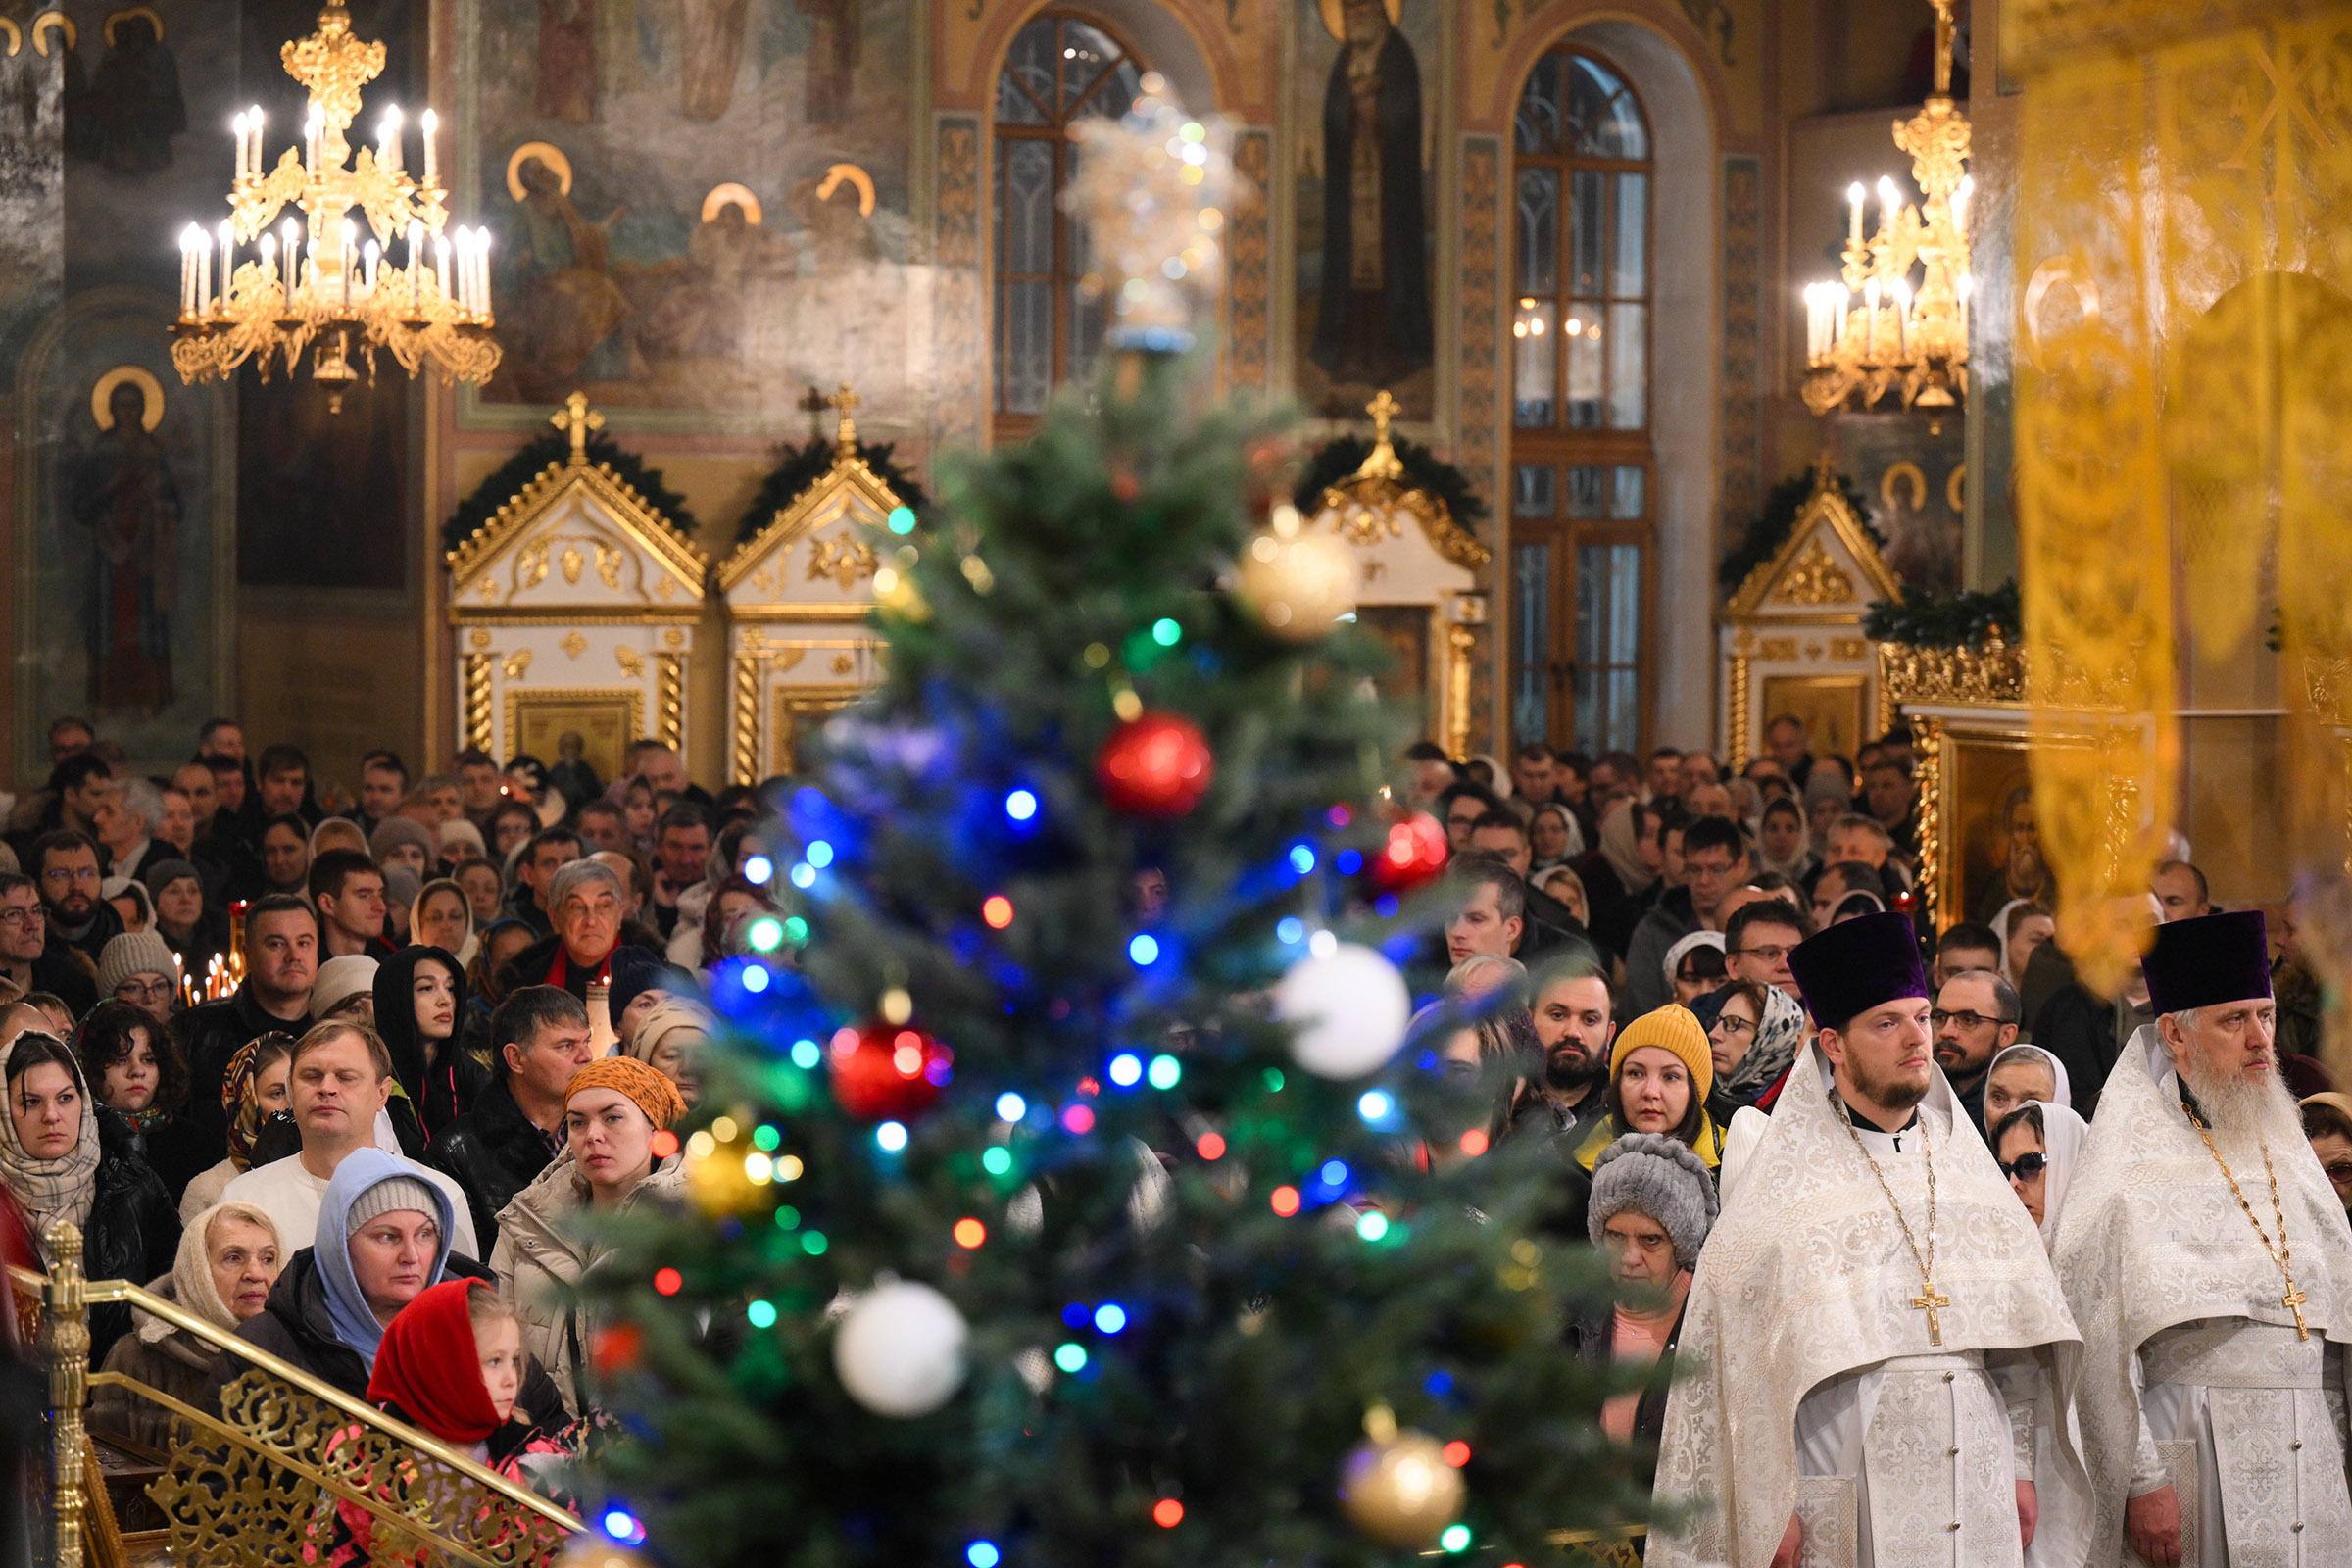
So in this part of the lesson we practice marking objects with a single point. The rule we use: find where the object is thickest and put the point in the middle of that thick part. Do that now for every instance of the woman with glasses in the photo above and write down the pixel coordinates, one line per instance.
(2327, 1125)
(2036, 1146)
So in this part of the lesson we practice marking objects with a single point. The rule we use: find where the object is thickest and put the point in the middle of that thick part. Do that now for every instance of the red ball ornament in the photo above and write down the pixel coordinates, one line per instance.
(1415, 854)
(888, 1072)
(1155, 765)
(616, 1349)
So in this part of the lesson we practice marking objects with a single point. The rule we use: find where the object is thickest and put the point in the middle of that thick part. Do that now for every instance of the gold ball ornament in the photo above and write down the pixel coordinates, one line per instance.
(1397, 1487)
(720, 1171)
(1297, 583)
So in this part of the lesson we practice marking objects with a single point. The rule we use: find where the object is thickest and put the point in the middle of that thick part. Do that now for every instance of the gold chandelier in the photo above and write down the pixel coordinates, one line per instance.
(308, 284)
(1872, 332)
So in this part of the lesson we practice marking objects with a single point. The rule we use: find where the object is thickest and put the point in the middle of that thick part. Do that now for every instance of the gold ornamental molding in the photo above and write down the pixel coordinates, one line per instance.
(850, 487)
(550, 489)
(1802, 572)
(1373, 501)
(1990, 673)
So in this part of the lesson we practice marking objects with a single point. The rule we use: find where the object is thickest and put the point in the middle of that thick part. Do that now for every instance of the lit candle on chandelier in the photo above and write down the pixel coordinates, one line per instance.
(253, 129)
(1967, 287)
(190, 241)
(236, 129)
(228, 249)
(388, 139)
(1854, 195)
(427, 122)
(415, 265)
(268, 259)
(1902, 315)
(374, 256)
(1890, 205)
(1967, 188)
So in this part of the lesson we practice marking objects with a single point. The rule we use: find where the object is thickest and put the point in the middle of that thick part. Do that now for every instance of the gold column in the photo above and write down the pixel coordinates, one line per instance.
(1929, 745)
(65, 1347)
(669, 717)
(480, 734)
(747, 717)
(1740, 701)
(1460, 644)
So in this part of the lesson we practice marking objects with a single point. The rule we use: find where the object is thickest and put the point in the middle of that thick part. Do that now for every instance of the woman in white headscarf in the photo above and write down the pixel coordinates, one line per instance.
(2036, 1146)
(2022, 925)
(2022, 1072)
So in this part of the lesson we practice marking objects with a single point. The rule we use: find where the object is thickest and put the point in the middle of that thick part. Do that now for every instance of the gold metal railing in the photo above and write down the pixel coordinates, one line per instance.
(255, 1483)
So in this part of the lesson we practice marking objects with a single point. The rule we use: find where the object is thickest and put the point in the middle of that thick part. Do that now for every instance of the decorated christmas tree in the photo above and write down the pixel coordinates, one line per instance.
(1067, 1189)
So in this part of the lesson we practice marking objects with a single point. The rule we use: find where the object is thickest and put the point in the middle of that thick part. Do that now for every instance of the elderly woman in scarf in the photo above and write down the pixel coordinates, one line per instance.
(2019, 1073)
(252, 1089)
(2022, 926)
(57, 1163)
(2036, 1146)
(229, 1256)
(443, 917)
(667, 1037)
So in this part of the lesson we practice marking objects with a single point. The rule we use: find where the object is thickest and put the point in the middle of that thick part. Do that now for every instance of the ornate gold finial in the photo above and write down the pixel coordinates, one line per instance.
(576, 418)
(333, 66)
(1381, 462)
(847, 403)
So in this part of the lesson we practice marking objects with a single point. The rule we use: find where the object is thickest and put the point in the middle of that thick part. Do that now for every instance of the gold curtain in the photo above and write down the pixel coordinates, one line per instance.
(2184, 455)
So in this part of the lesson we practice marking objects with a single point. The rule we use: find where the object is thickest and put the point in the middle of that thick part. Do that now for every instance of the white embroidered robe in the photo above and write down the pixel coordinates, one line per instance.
(2195, 1374)
(1818, 1389)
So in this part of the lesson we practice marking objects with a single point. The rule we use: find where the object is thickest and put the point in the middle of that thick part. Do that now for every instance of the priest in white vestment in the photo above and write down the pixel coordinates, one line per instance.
(2209, 1263)
(1879, 1358)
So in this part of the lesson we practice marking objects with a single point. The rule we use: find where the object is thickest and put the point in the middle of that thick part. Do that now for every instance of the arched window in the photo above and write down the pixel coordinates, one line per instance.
(1582, 475)
(1062, 67)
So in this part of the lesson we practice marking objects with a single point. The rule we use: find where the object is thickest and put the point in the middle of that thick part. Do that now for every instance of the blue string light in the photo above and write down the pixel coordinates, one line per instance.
(820, 854)
(1020, 805)
(1302, 858)
(1126, 1069)
(805, 1054)
(1374, 1105)
(1011, 1107)
(1290, 928)
(804, 876)
(1111, 1317)
(1165, 1072)
(1144, 950)
(980, 1553)
(1349, 862)
(891, 1136)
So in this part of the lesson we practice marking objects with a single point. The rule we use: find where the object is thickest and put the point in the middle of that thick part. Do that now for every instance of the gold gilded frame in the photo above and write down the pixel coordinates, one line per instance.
(787, 706)
(1955, 748)
(519, 703)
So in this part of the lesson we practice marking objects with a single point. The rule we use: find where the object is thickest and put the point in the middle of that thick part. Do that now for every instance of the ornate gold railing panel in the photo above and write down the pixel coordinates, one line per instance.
(260, 1483)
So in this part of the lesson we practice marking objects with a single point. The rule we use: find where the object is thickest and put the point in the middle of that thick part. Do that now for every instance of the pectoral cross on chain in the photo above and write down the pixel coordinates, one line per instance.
(2293, 1302)
(1930, 1302)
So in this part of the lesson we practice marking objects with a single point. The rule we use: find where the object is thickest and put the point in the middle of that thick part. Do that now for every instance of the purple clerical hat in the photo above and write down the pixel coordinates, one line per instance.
(2208, 960)
(1856, 966)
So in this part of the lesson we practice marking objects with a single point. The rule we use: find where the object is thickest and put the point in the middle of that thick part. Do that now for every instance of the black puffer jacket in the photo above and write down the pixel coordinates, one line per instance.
(295, 1327)
(494, 1152)
(134, 1233)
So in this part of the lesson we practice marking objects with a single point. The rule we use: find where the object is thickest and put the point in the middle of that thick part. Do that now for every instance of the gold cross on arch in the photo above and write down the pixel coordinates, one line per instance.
(577, 418)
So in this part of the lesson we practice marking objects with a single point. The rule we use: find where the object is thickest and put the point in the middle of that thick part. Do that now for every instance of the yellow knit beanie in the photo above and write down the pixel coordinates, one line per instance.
(1671, 1028)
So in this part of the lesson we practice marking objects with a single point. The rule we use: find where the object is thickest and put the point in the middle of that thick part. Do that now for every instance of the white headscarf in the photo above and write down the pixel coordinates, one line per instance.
(2000, 928)
(2065, 1097)
(2062, 1135)
(1685, 948)
(50, 1189)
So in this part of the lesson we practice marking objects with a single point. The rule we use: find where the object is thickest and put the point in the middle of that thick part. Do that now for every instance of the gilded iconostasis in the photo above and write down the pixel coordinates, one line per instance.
(1564, 239)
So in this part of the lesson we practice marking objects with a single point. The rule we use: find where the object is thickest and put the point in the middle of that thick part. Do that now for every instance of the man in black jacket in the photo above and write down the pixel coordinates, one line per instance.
(33, 959)
(515, 1129)
(281, 960)
(66, 869)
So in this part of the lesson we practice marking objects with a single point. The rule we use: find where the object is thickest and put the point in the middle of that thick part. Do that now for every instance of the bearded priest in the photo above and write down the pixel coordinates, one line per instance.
(2209, 1263)
(1879, 1354)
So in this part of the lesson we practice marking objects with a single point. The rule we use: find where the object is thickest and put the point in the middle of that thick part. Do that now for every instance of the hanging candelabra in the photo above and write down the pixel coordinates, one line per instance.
(306, 284)
(1874, 330)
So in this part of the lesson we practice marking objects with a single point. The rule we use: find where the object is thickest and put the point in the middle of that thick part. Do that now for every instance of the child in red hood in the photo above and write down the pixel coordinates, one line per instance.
(451, 1365)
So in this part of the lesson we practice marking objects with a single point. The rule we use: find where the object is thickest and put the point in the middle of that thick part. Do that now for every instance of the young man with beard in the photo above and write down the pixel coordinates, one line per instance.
(2209, 1262)
(1879, 1355)
(1575, 1024)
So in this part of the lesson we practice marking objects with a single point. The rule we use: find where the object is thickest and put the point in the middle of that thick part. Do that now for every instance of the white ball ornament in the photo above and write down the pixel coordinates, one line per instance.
(899, 1349)
(1347, 1008)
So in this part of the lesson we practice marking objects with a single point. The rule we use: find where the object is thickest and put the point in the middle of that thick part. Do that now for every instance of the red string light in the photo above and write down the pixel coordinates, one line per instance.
(668, 1281)
(1474, 1143)
(1167, 1513)
(1211, 1145)
(997, 911)
(970, 1233)
(1457, 1453)
(1285, 1200)
(666, 1144)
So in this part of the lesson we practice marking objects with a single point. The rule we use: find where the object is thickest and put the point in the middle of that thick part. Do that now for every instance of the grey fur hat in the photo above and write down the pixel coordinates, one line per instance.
(1655, 1175)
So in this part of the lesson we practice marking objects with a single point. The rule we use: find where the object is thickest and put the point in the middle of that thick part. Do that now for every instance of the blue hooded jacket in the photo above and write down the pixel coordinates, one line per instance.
(346, 1305)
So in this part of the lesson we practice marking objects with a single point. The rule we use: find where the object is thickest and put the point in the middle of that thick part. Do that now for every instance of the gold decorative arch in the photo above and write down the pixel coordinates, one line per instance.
(54, 18)
(548, 153)
(127, 13)
(856, 177)
(739, 195)
(1335, 23)
(16, 37)
(151, 393)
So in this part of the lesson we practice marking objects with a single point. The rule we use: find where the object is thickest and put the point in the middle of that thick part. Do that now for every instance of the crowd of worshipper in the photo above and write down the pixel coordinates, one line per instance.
(1996, 1265)
(1931, 1249)
(338, 1071)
